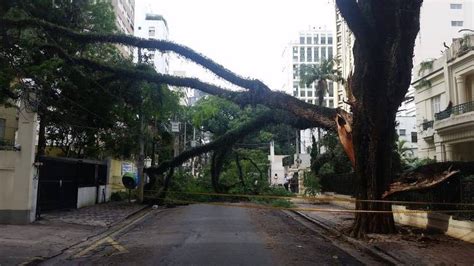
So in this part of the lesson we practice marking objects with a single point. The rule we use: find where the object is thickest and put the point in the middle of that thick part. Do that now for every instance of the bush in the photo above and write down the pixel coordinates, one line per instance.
(119, 196)
(312, 186)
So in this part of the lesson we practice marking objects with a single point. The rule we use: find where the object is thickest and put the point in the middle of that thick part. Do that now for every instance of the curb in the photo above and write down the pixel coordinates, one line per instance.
(366, 248)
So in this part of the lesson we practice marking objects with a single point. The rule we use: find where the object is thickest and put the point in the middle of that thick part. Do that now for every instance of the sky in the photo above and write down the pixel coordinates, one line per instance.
(246, 36)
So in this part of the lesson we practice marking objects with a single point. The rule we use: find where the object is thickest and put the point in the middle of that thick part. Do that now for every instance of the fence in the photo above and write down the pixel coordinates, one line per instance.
(458, 189)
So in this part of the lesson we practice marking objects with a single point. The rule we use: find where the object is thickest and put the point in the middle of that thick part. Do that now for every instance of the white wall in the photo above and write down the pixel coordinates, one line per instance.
(18, 176)
(86, 196)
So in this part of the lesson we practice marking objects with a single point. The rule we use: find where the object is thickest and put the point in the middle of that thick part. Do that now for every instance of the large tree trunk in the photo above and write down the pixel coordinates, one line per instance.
(384, 32)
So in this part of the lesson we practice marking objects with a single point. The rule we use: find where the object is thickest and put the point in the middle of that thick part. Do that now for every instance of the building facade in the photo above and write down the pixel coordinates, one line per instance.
(153, 26)
(311, 47)
(124, 19)
(440, 22)
(8, 125)
(445, 103)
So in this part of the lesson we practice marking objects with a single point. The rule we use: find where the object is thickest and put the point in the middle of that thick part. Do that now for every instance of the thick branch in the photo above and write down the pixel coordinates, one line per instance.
(429, 176)
(318, 116)
(162, 45)
(232, 136)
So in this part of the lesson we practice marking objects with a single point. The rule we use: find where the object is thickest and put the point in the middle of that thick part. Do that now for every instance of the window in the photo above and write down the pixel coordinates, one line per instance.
(323, 39)
(329, 53)
(310, 101)
(316, 39)
(310, 93)
(331, 88)
(456, 6)
(151, 31)
(301, 40)
(331, 103)
(2, 128)
(457, 23)
(301, 54)
(309, 54)
(329, 39)
(316, 54)
(402, 132)
(302, 93)
(435, 105)
(414, 137)
(323, 53)
(308, 40)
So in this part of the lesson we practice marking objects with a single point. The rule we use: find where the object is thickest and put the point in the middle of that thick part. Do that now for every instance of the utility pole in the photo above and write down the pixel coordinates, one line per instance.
(141, 140)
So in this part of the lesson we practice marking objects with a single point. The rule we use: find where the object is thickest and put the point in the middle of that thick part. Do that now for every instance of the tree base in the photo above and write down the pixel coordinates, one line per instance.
(372, 223)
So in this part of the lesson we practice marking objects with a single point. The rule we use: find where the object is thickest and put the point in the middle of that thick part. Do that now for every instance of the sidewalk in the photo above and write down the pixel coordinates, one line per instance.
(104, 215)
(412, 246)
(57, 231)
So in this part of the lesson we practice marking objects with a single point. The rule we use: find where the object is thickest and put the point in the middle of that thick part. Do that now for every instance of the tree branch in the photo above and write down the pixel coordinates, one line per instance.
(231, 137)
(428, 176)
(161, 45)
(317, 116)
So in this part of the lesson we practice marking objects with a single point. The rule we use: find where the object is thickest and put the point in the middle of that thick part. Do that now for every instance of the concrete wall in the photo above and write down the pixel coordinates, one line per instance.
(463, 230)
(86, 196)
(18, 175)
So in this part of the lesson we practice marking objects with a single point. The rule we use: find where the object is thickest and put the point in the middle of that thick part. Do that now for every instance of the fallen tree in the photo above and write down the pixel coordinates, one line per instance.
(384, 39)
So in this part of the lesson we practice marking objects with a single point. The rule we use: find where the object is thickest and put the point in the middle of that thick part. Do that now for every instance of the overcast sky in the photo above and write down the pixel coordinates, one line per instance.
(246, 36)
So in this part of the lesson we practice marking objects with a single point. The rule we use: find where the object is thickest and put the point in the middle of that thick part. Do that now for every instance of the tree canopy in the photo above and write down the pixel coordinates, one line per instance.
(384, 33)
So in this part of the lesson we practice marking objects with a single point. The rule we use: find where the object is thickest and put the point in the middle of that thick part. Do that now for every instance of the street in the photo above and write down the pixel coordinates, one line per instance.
(212, 235)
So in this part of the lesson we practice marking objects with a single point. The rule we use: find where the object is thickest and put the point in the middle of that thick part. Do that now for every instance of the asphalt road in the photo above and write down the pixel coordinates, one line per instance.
(214, 235)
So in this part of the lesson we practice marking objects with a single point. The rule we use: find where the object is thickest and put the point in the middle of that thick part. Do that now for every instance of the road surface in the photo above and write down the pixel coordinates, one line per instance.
(213, 235)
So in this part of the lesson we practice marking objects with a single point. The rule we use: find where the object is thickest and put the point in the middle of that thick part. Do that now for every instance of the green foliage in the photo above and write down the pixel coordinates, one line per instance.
(320, 74)
(334, 160)
(86, 113)
(119, 196)
(423, 83)
(311, 184)
(425, 65)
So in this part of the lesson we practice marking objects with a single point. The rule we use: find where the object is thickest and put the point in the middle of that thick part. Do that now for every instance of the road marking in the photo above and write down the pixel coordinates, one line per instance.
(109, 239)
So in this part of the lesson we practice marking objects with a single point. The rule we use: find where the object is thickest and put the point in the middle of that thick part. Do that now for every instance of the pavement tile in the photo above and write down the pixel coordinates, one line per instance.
(104, 215)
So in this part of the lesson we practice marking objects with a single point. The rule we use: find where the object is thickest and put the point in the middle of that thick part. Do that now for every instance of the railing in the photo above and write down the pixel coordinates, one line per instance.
(456, 110)
(428, 124)
(6, 144)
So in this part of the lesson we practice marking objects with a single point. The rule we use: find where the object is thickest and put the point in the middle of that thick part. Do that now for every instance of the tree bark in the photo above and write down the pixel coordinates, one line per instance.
(384, 32)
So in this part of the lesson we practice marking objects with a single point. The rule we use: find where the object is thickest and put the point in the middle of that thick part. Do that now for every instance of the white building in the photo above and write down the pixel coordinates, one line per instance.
(153, 26)
(445, 104)
(440, 23)
(312, 46)
(124, 13)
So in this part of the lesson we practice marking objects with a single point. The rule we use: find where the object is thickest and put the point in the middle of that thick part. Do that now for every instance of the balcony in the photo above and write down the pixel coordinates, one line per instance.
(459, 117)
(6, 144)
(427, 124)
(427, 130)
(455, 110)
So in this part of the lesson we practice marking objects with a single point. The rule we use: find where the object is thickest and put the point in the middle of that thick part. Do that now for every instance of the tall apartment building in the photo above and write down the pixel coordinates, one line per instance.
(125, 14)
(311, 47)
(153, 26)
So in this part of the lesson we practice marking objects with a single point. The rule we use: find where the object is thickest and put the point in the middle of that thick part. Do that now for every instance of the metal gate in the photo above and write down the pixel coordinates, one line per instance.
(60, 179)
